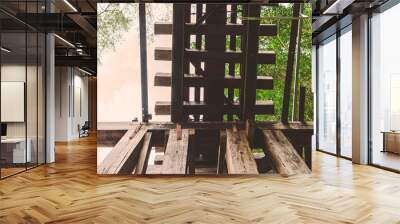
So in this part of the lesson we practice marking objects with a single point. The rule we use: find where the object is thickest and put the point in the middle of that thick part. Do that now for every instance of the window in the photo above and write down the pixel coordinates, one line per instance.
(327, 95)
(385, 89)
(346, 92)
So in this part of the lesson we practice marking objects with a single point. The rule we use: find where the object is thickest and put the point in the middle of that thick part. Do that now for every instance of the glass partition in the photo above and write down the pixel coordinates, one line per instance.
(13, 94)
(385, 89)
(22, 88)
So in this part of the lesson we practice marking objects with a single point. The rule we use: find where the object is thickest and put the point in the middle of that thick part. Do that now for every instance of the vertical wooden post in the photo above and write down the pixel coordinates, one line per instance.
(215, 69)
(290, 64)
(250, 75)
(143, 61)
(232, 47)
(302, 99)
(178, 61)
(186, 63)
(199, 13)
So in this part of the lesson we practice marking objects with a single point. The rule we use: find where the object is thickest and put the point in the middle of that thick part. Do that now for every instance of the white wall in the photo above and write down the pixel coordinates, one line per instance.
(70, 83)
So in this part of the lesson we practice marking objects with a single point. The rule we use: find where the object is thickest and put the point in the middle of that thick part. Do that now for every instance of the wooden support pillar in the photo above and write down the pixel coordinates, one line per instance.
(178, 65)
(302, 102)
(250, 74)
(232, 47)
(199, 14)
(290, 63)
(215, 69)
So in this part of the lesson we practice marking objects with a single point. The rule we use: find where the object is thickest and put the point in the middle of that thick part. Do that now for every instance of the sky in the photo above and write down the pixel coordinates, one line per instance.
(119, 88)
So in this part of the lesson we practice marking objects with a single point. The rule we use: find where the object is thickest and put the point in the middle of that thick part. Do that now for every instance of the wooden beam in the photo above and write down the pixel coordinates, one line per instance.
(284, 156)
(193, 80)
(163, 54)
(263, 57)
(228, 29)
(175, 157)
(193, 107)
(162, 28)
(122, 158)
(239, 158)
(144, 155)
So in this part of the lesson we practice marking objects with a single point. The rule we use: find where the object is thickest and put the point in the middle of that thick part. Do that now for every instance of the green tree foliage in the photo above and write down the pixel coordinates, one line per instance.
(281, 16)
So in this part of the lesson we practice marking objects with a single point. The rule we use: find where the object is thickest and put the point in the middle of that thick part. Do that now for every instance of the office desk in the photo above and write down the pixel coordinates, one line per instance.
(391, 141)
(13, 150)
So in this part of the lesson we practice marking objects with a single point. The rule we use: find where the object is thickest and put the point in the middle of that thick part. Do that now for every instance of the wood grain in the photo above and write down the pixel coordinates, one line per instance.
(239, 158)
(121, 160)
(175, 157)
(284, 156)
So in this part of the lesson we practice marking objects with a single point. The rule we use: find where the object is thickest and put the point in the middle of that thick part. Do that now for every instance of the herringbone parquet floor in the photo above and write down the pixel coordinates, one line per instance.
(69, 191)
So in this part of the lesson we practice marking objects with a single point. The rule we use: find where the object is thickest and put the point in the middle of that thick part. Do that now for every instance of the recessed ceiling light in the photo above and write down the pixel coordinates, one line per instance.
(64, 40)
(5, 50)
(84, 71)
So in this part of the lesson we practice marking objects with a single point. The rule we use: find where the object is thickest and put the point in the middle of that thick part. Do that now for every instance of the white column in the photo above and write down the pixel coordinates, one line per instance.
(50, 100)
(360, 90)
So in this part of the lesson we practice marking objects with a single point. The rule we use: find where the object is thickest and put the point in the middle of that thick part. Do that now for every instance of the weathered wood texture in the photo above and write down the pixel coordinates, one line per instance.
(175, 157)
(284, 156)
(123, 157)
(239, 158)
(144, 155)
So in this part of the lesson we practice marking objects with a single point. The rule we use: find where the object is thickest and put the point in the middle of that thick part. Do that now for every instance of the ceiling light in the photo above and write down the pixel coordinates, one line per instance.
(5, 50)
(64, 40)
(70, 5)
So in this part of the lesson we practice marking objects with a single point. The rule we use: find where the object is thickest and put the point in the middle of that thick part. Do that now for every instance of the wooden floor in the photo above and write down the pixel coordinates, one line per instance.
(69, 191)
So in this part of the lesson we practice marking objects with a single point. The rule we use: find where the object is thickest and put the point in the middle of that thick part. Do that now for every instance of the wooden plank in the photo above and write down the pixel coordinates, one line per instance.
(193, 107)
(193, 80)
(284, 156)
(239, 158)
(163, 53)
(162, 79)
(175, 157)
(162, 28)
(229, 56)
(144, 155)
(122, 158)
